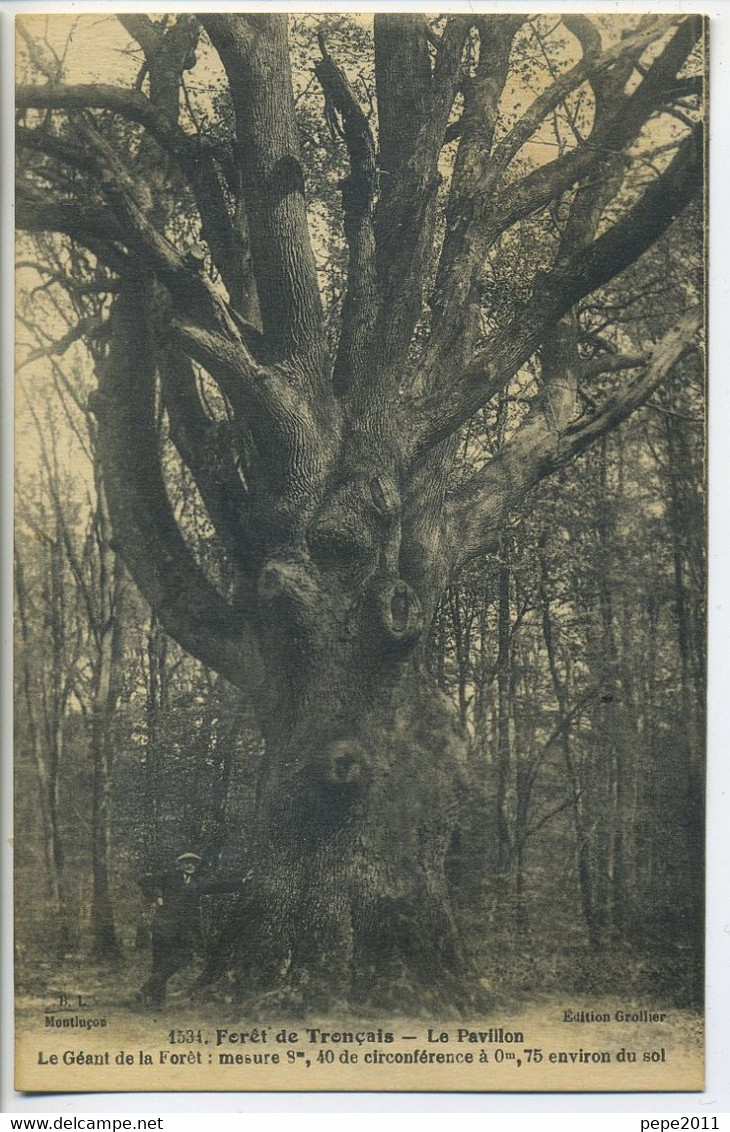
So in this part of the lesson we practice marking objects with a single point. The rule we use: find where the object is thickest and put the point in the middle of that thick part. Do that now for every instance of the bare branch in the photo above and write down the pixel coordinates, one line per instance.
(664, 357)
(409, 175)
(208, 450)
(39, 55)
(92, 225)
(130, 104)
(146, 533)
(86, 327)
(358, 193)
(574, 277)
(544, 443)
(254, 53)
(589, 67)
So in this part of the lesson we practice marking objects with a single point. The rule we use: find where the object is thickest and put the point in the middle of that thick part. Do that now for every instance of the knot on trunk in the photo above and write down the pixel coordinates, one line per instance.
(284, 578)
(399, 611)
(344, 763)
(384, 493)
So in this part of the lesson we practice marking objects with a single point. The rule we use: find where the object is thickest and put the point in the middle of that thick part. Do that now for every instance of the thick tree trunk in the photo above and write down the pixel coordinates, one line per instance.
(350, 903)
(504, 742)
(686, 526)
(106, 692)
(156, 706)
(47, 763)
(561, 688)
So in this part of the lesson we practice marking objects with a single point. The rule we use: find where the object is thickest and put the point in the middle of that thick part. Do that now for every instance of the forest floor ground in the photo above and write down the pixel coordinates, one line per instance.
(512, 981)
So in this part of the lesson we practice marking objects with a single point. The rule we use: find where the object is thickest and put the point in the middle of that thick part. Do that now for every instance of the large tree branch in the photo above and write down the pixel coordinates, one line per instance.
(129, 104)
(561, 369)
(254, 53)
(240, 378)
(61, 149)
(358, 194)
(454, 316)
(87, 222)
(149, 35)
(191, 291)
(579, 436)
(619, 125)
(266, 400)
(169, 52)
(510, 474)
(269, 402)
(145, 530)
(132, 200)
(208, 448)
(202, 325)
(591, 66)
(479, 215)
(406, 210)
(194, 156)
(545, 442)
(641, 226)
(454, 319)
(402, 87)
(438, 415)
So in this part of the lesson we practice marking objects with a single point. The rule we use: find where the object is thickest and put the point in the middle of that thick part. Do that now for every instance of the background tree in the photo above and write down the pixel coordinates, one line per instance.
(353, 461)
(47, 652)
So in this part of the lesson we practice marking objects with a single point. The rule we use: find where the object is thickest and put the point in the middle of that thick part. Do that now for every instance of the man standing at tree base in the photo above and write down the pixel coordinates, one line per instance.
(176, 927)
(175, 924)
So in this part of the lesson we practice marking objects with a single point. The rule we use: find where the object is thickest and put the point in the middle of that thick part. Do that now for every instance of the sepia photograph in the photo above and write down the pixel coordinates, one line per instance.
(360, 550)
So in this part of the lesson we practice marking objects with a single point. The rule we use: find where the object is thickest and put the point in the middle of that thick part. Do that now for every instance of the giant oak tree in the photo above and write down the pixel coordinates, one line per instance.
(330, 463)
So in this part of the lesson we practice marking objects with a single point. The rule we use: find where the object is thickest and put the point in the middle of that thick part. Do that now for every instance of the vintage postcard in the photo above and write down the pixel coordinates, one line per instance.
(360, 550)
